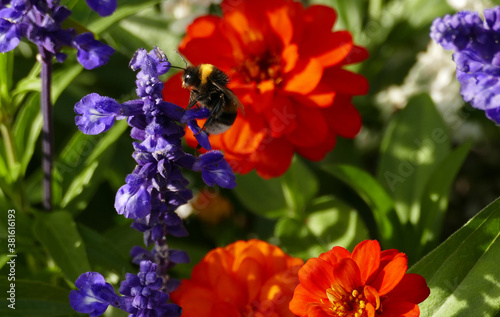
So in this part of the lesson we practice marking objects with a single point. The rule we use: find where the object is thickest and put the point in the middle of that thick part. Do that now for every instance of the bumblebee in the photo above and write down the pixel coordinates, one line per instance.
(208, 88)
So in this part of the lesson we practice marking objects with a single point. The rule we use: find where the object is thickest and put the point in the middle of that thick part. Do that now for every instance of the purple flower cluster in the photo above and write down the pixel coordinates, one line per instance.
(142, 294)
(40, 21)
(477, 54)
(156, 187)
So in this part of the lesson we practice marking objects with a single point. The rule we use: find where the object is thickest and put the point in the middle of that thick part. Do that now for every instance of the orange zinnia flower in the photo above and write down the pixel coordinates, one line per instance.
(244, 279)
(366, 283)
(285, 65)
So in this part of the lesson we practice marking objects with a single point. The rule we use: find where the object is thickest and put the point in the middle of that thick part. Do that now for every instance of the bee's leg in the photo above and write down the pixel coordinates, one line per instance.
(217, 110)
(202, 129)
(191, 104)
(213, 114)
(197, 150)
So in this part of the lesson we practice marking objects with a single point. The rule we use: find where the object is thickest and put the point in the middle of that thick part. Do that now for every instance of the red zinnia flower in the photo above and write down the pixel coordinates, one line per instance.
(285, 65)
(245, 279)
(366, 283)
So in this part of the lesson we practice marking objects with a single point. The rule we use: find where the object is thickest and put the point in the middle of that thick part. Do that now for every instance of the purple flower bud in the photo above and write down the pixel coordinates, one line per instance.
(91, 53)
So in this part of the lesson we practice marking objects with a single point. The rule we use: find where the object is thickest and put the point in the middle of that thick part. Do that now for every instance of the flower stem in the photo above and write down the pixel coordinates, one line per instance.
(47, 129)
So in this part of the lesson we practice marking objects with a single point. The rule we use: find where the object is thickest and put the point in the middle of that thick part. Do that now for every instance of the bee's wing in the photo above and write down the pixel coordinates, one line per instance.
(236, 103)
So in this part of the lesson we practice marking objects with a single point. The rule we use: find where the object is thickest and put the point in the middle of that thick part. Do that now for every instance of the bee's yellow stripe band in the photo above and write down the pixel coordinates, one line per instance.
(205, 71)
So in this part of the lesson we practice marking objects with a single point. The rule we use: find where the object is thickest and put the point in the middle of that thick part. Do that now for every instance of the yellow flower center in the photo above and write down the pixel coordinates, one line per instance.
(344, 304)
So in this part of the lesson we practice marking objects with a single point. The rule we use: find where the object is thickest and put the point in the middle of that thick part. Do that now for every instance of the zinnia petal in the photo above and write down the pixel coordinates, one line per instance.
(302, 298)
(347, 274)
(316, 277)
(280, 23)
(367, 256)
(205, 32)
(319, 17)
(304, 78)
(402, 309)
(387, 279)
(318, 152)
(335, 255)
(274, 157)
(343, 117)
(331, 51)
(412, 288)
(246, 134)
(345, 81)
(313, 128)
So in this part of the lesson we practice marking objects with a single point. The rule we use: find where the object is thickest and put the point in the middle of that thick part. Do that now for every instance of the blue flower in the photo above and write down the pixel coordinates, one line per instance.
(94, 295)
(157, 186)
(96, 114)
(9, 36)
(215, 170)
(103, 7)
(41, 23)
(91, 52)
(143, 295)
(133, 200)
(190, 117)
(477, 55)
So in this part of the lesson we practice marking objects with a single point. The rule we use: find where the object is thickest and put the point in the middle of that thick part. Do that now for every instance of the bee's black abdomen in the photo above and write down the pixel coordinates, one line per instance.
(227, 118)
(222, 123)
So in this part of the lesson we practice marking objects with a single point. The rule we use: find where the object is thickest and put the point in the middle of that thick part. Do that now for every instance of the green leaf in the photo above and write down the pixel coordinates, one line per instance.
(29, 83)
(462, 272)
(62, 78)
(29, 122)
(435, 197)
(58, 234)
(421, 12)
(252, 192)
(79, 160)
(9, 165)
(329, 222)
(103, 252)
(35, 299)
(147, 27)
(27, 128)
(6, 69)
(374, 195)
(299, 186)
(416, 141)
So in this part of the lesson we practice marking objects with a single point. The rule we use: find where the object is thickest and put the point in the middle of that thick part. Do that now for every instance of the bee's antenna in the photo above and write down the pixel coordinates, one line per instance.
(172, 66)
(185, 62)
